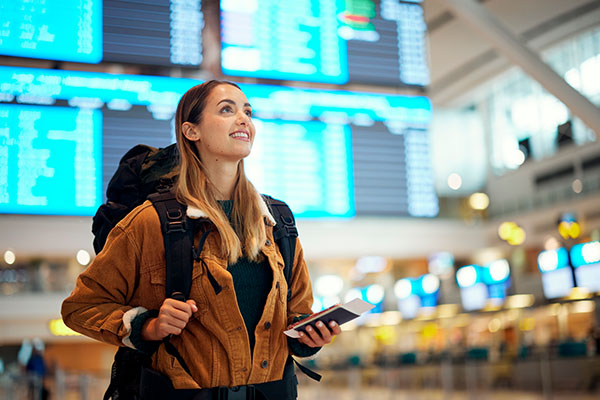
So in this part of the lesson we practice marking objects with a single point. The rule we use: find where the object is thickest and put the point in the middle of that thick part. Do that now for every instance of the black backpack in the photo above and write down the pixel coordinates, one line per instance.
(146, 172)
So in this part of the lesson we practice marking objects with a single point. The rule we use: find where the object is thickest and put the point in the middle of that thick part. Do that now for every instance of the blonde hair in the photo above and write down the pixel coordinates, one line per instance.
(246, 233)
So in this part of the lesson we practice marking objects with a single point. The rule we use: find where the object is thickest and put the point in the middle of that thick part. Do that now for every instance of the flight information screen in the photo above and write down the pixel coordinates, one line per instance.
(327, 153)
(152, 32)
(69, 30)
(331, 41)
(50, 159)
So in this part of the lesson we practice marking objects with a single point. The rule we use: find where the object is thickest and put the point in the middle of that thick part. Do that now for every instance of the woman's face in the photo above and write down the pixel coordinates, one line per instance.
(226, 131)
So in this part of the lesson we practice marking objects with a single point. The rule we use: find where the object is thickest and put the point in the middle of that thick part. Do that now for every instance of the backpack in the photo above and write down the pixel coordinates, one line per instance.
(146, 172)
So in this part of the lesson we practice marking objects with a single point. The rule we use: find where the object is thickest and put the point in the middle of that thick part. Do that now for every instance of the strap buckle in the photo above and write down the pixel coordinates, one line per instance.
(175, 226)
(175, 221)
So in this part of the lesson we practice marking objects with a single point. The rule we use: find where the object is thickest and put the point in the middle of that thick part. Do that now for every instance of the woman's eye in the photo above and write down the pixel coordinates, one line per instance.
(249, 113)
(226, 109)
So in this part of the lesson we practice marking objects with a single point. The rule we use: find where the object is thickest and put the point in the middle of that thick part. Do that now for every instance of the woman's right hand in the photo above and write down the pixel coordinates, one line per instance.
(173, 316)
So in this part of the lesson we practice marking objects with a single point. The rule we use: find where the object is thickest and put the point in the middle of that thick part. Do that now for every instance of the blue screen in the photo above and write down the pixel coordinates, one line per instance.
(327, 153)
(50, 160)
(557, 283)
(309, 165)
(331, 41)
(474, 297)
(69, 30)
(291, 40)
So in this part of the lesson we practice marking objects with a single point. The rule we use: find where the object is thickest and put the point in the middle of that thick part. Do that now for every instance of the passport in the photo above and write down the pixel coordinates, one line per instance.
(340, 313)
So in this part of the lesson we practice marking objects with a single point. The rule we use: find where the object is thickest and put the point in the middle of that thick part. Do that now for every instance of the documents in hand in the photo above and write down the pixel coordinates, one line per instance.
(340, 313)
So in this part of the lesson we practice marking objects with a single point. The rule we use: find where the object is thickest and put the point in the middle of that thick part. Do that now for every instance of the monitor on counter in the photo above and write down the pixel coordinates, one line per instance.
(557, 274)
(585, 258)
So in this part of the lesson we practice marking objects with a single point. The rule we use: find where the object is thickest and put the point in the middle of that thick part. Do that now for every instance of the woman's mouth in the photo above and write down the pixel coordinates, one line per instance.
(240, 135)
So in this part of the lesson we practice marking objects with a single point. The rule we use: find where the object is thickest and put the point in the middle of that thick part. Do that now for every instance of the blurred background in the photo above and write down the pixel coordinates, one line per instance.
(441, 157)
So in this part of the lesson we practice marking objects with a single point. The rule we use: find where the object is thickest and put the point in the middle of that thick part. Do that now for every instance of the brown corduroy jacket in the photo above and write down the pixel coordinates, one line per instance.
(128, 278)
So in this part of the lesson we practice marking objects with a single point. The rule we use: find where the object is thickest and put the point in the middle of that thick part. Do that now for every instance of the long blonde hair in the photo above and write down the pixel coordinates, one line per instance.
(246, 232)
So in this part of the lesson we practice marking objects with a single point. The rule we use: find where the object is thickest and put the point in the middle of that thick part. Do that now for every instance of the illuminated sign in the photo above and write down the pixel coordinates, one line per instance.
(69, 30)
(328, 153)
(585, 258)
(58, 328)
(333, 41)
(161, 32)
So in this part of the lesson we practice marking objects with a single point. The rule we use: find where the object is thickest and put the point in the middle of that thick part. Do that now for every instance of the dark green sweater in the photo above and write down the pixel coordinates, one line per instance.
(252, 282)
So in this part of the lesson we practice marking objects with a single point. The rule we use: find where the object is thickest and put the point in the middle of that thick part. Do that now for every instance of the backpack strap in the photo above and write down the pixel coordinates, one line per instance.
(178, 237)
(285, 234)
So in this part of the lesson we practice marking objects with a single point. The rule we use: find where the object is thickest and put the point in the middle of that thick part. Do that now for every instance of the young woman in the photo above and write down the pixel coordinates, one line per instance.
(228, 338)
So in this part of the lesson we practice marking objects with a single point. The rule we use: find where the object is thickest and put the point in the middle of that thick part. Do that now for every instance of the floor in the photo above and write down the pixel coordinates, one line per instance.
(314, 392)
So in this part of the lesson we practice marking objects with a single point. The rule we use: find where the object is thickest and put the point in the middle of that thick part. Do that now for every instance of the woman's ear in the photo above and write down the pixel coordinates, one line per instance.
(190, 131)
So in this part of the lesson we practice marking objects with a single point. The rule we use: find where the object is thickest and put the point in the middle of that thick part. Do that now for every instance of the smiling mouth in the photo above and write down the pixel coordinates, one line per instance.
(240, 135)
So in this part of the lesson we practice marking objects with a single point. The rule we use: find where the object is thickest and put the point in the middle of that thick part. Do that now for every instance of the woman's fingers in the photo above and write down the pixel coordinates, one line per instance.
(174, 315)
(320, 336)
(324, 332)
(335, 328)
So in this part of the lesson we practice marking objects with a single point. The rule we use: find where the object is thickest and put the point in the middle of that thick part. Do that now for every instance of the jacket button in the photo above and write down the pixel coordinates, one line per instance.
(264, 364)
(268, 242)
(267, 325)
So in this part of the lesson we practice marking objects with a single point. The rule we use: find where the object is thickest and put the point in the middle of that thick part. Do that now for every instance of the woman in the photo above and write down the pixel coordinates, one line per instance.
(228, 339)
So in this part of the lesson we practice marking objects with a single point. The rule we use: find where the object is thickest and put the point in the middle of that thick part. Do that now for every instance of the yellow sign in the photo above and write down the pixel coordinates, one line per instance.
(58, 328)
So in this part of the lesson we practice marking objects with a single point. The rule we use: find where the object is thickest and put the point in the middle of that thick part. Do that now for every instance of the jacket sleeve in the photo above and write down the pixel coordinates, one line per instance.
(99, 306)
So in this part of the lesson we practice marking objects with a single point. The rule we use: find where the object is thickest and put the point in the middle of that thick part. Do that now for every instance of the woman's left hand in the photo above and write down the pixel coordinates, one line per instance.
(320, 336)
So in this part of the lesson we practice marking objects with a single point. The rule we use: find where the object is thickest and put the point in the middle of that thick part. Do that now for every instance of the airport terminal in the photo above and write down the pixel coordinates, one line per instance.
(441, 158)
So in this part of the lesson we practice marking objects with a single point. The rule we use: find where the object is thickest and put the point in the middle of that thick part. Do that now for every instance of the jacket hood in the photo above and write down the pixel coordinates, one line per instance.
(195, 213)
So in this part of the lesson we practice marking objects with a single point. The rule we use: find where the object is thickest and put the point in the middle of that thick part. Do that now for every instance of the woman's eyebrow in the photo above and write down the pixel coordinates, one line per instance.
(233, 102)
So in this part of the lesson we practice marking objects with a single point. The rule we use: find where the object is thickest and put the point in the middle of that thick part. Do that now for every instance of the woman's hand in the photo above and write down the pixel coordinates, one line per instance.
(321, 336)
(173, 316)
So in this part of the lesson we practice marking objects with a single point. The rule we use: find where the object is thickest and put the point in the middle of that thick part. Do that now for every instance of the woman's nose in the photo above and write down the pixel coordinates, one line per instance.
(243, 118)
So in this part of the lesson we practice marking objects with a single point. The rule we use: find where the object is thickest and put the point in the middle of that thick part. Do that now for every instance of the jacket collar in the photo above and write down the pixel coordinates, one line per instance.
(195, 213)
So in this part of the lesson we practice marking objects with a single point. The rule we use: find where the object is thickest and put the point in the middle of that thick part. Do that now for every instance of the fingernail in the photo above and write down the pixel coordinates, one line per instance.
(194, 308)
(301, 334)
(319, 324)
(309, 329)
(332, 324)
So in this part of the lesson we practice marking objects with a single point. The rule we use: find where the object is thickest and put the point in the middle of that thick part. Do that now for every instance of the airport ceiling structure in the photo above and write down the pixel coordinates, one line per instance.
(463, 58)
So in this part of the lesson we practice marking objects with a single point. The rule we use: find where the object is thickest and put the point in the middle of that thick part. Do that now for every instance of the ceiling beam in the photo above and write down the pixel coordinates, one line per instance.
(517, 51)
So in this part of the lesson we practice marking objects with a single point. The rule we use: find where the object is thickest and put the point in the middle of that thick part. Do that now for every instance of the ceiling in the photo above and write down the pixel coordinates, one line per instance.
(461, 58)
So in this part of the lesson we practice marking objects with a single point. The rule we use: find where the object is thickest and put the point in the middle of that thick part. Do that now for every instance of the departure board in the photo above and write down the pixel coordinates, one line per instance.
(310, 166)
(69, 30)
(151, 32)
(331, 41)
(327, 153)
(49, 160)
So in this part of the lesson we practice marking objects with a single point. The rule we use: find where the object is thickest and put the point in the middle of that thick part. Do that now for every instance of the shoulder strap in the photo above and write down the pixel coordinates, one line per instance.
(285, 234)
(178, 237)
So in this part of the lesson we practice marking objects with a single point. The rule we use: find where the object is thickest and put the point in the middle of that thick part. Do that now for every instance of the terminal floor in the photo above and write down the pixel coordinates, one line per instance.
(340, 393)
(329, 392)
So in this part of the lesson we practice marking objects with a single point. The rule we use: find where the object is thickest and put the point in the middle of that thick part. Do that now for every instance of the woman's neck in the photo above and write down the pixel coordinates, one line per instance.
(223, 177)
